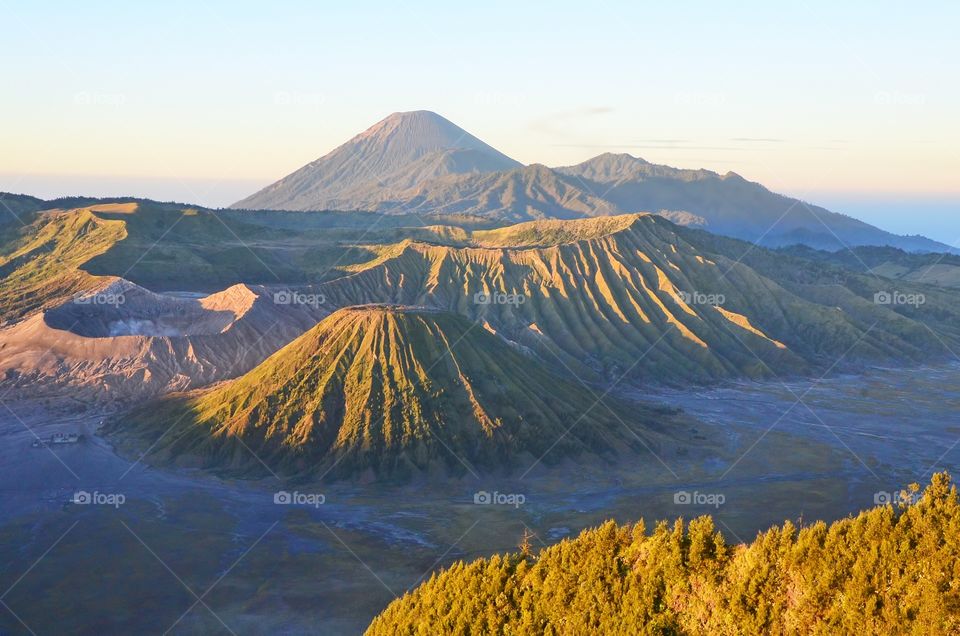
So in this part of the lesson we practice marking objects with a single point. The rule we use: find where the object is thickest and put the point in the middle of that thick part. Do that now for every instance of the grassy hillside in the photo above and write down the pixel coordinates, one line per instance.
(171, 247)
(889, 570)
(49, 255)
(18, 209)
(40, 263)
(890, 262)
(389, 392)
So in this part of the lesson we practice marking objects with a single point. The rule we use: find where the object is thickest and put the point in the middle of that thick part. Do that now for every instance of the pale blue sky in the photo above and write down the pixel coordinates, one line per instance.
(207, 101)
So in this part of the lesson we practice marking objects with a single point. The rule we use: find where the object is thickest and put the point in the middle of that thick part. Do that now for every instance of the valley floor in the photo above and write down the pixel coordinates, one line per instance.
(188, 553)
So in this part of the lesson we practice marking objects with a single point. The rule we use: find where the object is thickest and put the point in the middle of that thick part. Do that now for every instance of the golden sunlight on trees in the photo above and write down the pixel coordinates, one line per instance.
(888, 570)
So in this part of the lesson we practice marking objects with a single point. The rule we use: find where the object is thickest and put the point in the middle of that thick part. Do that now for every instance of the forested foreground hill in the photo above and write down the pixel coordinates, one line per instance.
(889, 570)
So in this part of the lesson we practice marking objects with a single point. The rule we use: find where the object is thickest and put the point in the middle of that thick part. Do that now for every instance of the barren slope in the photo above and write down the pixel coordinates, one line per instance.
(146, 345)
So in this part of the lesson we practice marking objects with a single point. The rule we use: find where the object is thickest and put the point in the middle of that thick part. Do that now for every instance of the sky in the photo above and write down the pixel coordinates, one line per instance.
(853, 107)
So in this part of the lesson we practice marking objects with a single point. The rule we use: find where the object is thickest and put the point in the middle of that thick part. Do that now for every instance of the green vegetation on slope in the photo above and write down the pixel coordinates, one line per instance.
(18, 209)
(393, 391)
(889, 262)
(174, 247)
(885, 571)
(549, 232)
(39, 263)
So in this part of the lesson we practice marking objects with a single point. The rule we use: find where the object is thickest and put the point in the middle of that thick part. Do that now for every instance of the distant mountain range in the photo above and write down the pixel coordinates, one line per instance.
(418, 162)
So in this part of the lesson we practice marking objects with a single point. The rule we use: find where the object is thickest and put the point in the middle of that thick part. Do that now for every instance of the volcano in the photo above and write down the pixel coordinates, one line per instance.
(390, 392)
(399, 151)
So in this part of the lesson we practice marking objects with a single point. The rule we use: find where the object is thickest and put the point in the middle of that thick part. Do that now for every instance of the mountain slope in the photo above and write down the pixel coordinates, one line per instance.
(637, 294)
(386, 148)
(17, 209)
(890, 262)
(64, 249)
(888, 570)
(41, 264)
(389, 392)
(530, 192)
(730, 205)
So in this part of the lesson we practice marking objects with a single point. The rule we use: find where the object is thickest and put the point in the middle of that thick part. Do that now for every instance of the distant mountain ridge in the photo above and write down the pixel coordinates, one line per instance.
(729, 204)
(418, 162)
(13, 207)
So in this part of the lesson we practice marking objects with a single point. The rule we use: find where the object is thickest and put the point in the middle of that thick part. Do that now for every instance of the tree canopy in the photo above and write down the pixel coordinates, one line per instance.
(894, 569)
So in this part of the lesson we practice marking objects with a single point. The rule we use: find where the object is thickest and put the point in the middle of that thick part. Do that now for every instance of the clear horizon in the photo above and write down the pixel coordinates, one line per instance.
(934, 216)
(846, 107)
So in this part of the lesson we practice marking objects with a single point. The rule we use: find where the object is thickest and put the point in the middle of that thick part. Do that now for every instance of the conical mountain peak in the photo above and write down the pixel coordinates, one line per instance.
(390, 392)
(379, 156)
